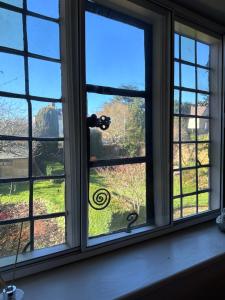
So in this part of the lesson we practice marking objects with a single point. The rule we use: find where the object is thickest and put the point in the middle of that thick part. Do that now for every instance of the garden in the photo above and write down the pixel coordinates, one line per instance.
(125, 183)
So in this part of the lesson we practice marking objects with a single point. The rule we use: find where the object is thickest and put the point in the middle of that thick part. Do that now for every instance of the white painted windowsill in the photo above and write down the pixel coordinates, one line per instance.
(126, 271)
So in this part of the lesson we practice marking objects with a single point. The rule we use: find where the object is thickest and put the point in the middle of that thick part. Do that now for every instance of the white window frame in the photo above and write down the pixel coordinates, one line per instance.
(215, 108)
(72, 25)
(161, 122)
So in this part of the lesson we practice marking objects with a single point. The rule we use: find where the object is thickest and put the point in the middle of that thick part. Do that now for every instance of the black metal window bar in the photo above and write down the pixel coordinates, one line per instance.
(145, 94)
(31, 218)
(180, 209)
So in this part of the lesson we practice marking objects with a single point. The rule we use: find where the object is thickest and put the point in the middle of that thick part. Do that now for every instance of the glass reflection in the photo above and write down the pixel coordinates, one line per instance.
(187, 49)
(11, 29)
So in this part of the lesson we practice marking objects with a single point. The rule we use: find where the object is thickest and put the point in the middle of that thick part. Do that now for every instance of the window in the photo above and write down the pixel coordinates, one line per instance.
(89, 159)
(193, 110)
(32, 176)
(120, 163)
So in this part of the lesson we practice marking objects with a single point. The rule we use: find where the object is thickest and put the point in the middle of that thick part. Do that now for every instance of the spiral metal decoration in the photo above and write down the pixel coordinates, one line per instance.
(131, 218)
(100, 199)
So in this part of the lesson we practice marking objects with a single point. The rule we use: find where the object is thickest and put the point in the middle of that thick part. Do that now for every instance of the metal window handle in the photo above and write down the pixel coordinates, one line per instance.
(103, 122)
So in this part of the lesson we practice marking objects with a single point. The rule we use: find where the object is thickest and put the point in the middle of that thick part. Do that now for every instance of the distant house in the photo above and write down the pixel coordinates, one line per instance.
(202, 124)
(13, 165)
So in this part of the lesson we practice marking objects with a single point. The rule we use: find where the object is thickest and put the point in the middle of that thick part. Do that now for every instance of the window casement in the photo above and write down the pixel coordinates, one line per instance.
(98, 147)
(32, 175)
(197, 122)
(122, 183)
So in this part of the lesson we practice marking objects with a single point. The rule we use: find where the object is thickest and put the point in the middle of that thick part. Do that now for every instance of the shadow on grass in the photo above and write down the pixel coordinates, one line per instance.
(119, 219)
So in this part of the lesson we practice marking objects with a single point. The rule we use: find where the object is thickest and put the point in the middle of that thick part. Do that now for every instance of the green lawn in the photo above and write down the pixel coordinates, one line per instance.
(48, 198)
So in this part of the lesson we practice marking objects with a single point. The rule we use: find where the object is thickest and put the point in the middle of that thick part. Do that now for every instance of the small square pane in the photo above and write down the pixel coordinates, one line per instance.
(176, 129)
(203, 178)
(203, 202)
(9, 237)
(45, 78)
(18, 3)
(14, 200)
(188, 129)
(203, 129)
(176, 74)
(49, 232)
(13, 159)
(189, 181)
(43, 37)
(176, 208)
(11, 29)
(176, 156)
(47, 119)
(176, 102)
(12, 78)
(188, 76)
(203, 154)
(188, 103)
(14, 117)
(176, 46)
(189, 206)
(176, 183)
(115, 53)
(203, 54)
(49, 196)
(187, 49)
(188, 155)
(203, 105)
(48, 158)
(203, 79)
(48, 8)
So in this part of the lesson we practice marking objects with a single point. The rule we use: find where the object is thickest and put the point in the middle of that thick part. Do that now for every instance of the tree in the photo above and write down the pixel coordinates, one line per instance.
(127, 184)
(96, 147)
(46, 122)
(127, 129)
(13, 122)
(46, 125)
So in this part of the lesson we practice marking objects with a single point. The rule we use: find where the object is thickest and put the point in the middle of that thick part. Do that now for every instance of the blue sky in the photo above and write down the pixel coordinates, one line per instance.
(114, 54)
(188, 54)
(43, 39)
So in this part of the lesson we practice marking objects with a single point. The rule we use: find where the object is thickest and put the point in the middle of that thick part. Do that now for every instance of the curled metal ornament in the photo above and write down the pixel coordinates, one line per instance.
(100, 199)
(131, 218)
